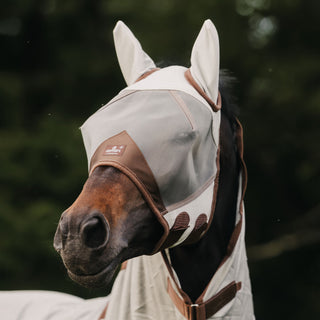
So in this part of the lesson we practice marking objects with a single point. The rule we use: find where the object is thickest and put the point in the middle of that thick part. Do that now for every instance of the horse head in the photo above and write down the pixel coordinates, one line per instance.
(153, 154)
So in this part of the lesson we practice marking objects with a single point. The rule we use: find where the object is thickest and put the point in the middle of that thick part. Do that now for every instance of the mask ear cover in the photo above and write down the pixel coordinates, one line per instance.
(133, 61)
(205, 60)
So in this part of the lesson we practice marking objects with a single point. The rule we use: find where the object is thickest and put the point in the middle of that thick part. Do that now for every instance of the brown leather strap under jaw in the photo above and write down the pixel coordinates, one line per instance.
(205, 310)
(215, 106)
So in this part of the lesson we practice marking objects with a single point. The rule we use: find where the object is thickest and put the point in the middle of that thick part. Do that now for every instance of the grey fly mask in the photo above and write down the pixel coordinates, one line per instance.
(163, 133)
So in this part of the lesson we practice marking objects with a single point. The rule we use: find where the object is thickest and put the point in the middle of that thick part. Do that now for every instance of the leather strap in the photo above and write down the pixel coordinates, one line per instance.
(215, 106)
(124, 265)
(208, 308)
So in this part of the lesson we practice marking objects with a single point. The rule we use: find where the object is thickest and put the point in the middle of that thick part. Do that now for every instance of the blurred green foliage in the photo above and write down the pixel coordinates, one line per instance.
(58, 65)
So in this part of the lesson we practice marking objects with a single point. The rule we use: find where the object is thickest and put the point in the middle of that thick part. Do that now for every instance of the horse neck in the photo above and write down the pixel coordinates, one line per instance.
(196, 264)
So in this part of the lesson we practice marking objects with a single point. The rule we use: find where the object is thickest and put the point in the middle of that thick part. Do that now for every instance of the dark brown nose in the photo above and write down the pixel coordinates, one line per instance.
(89, 231)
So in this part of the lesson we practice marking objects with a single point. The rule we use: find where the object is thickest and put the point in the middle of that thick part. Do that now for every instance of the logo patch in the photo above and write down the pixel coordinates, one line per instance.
(114, 150)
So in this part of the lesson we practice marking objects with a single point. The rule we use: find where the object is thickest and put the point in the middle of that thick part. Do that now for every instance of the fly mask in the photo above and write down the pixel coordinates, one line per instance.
(162, 131)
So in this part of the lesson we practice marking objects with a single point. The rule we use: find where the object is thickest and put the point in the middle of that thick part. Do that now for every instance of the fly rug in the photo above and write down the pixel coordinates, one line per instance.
(160, 143)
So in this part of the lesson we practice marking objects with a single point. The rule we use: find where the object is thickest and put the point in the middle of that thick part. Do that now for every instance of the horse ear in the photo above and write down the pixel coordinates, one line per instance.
(205, 60)
(133, 61)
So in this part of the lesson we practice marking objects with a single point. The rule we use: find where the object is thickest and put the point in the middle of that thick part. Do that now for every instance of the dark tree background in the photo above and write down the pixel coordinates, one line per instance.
(58, 65)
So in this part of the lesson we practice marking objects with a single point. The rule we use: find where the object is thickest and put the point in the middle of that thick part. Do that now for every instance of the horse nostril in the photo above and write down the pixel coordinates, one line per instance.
(94, 232)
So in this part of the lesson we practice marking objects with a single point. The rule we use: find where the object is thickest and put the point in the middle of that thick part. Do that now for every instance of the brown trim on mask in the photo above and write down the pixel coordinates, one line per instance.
(199, 229)
(121, 152)
(180, 225)
(215, 106)
(237, 230)
(146, 74)
(122, 149)
(145, 193)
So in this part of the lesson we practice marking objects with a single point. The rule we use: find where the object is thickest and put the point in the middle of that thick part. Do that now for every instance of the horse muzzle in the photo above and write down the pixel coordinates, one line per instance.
(89, 236)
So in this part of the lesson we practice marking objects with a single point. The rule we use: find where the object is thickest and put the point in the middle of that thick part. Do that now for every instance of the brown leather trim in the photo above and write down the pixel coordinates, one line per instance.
(172, 237)
(131, 157)
(146, 74)
(147, 197)
(104, 312)
(236, 232)
(189, 311)
(134, 179)
(132, 163)
(223, 297)
(178, 302)
(199, 229)
(202, 311)
(124, 265)
(179, 227)
(238, 227)
(185, 297)
(215, 106)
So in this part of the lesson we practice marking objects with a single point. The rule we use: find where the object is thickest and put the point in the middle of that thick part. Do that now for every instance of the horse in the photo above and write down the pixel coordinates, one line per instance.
(162, 208)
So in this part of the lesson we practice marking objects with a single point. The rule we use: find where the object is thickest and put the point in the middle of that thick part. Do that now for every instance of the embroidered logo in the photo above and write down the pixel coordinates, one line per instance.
(114, 150)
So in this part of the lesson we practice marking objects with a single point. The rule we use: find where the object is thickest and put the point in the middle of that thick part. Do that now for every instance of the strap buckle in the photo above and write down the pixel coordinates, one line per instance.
(192, 311)
(196, 312)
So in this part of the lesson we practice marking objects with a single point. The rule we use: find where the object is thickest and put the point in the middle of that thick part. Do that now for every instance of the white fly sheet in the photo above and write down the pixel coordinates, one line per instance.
(48, 305)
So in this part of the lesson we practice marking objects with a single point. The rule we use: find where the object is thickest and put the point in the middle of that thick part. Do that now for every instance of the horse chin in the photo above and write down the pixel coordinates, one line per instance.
(98, 280)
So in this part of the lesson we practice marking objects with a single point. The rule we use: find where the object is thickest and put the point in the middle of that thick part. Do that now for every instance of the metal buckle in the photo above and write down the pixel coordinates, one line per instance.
(193, 311)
